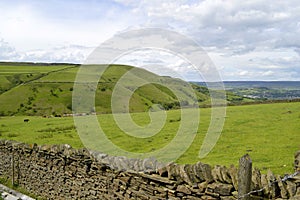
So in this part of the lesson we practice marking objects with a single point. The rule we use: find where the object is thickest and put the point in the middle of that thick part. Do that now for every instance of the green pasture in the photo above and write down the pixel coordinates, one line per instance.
(12, 75)
(47, 90)
(269, 133)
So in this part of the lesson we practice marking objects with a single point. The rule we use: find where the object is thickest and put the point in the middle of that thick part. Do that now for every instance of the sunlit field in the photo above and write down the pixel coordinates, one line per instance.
(269, 133)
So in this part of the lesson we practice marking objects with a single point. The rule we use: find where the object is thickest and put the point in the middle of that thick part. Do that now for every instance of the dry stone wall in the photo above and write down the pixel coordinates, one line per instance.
(61, 172)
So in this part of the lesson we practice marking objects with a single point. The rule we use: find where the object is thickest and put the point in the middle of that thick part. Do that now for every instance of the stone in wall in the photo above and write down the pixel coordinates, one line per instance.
(61, 172)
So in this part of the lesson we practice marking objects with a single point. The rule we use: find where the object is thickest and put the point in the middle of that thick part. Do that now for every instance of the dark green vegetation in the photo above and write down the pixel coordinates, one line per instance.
(46, 89)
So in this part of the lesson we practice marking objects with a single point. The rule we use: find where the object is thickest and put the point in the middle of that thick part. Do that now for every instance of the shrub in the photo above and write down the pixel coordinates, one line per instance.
(58, 129)
(175, 120)
(53, 93)
(10, 135)
(46, 135)
(69, 106)
(70, 135)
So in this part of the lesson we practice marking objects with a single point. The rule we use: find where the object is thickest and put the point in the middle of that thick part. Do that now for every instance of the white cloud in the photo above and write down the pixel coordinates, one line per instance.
(7, 53)
(244, 73)
(65, 54)
(42, 25)
(268, 73)
(271, 67)
(256, 36)
(242, 35)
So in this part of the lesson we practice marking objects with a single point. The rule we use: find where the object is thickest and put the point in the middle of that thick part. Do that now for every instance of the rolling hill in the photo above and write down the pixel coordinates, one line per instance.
(46, 89)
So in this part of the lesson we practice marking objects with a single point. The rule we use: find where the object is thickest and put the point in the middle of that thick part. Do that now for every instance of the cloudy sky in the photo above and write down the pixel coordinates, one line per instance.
(246, 40)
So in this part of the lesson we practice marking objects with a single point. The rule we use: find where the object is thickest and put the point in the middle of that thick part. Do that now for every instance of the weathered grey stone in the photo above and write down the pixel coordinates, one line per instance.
(291, 188)
(149, 165)
(61, 172)
(206, 197)
(272, 180)
(225, 175)
(157, 178)
(265, 184)
(296, 179)
(235, 194)
(228, 198)
(98, 156)
(220, 188)
(215, 195)
(256, 179)
(202, 186)
(282, 187)
(203, 172)
(183, 189)
(233, 175)
(295, 198)
(162, 171)
(216, 173)
(191, 197)
(120, 163)
(298, 191)
(187, 174)
(174, 172)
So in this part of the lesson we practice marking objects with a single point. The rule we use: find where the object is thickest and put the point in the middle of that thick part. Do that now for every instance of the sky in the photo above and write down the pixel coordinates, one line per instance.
(246, 40)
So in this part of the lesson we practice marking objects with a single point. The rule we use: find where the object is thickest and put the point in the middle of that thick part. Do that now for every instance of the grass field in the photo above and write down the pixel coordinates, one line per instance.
(12, 75)
(269, 133)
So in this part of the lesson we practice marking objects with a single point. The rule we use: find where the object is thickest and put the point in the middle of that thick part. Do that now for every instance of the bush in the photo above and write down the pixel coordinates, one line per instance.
(10, 135)
(175, 120)
(53, 93)
(69, 106)
(46, 135)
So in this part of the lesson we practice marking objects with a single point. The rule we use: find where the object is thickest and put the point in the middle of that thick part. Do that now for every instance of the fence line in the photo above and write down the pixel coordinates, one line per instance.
(284, 179)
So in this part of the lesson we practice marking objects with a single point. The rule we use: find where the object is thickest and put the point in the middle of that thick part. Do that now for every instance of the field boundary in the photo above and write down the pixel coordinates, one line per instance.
(37, 78)
(61, 172)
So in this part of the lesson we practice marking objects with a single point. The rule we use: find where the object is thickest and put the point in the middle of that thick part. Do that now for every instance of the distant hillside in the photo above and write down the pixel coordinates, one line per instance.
(46, 89)
(264, 90)
(284, 85)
